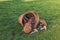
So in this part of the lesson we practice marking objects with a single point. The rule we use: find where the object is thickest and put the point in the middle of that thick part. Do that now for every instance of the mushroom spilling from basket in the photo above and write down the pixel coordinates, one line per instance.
(31, 23)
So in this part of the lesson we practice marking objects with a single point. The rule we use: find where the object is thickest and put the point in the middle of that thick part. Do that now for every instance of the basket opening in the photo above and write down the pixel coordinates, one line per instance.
(27, 17)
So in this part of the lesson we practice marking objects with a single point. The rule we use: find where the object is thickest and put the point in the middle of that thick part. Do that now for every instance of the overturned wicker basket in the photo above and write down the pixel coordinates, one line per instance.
(29, 15)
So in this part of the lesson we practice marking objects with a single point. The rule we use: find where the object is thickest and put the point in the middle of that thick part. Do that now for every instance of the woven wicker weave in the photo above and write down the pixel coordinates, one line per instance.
(20, 19)
(34, 14)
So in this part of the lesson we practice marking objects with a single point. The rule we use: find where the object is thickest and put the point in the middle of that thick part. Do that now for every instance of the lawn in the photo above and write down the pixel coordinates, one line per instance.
(48, 10)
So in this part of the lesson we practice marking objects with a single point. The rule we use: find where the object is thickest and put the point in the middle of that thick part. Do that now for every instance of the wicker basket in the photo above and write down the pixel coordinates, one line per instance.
(30, 13)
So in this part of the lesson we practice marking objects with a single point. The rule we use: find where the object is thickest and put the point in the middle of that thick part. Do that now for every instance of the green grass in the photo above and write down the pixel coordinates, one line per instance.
(48, 10)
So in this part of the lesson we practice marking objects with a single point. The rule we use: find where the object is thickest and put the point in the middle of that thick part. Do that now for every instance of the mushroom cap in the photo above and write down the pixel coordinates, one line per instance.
(43, 22)
(27, 29)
